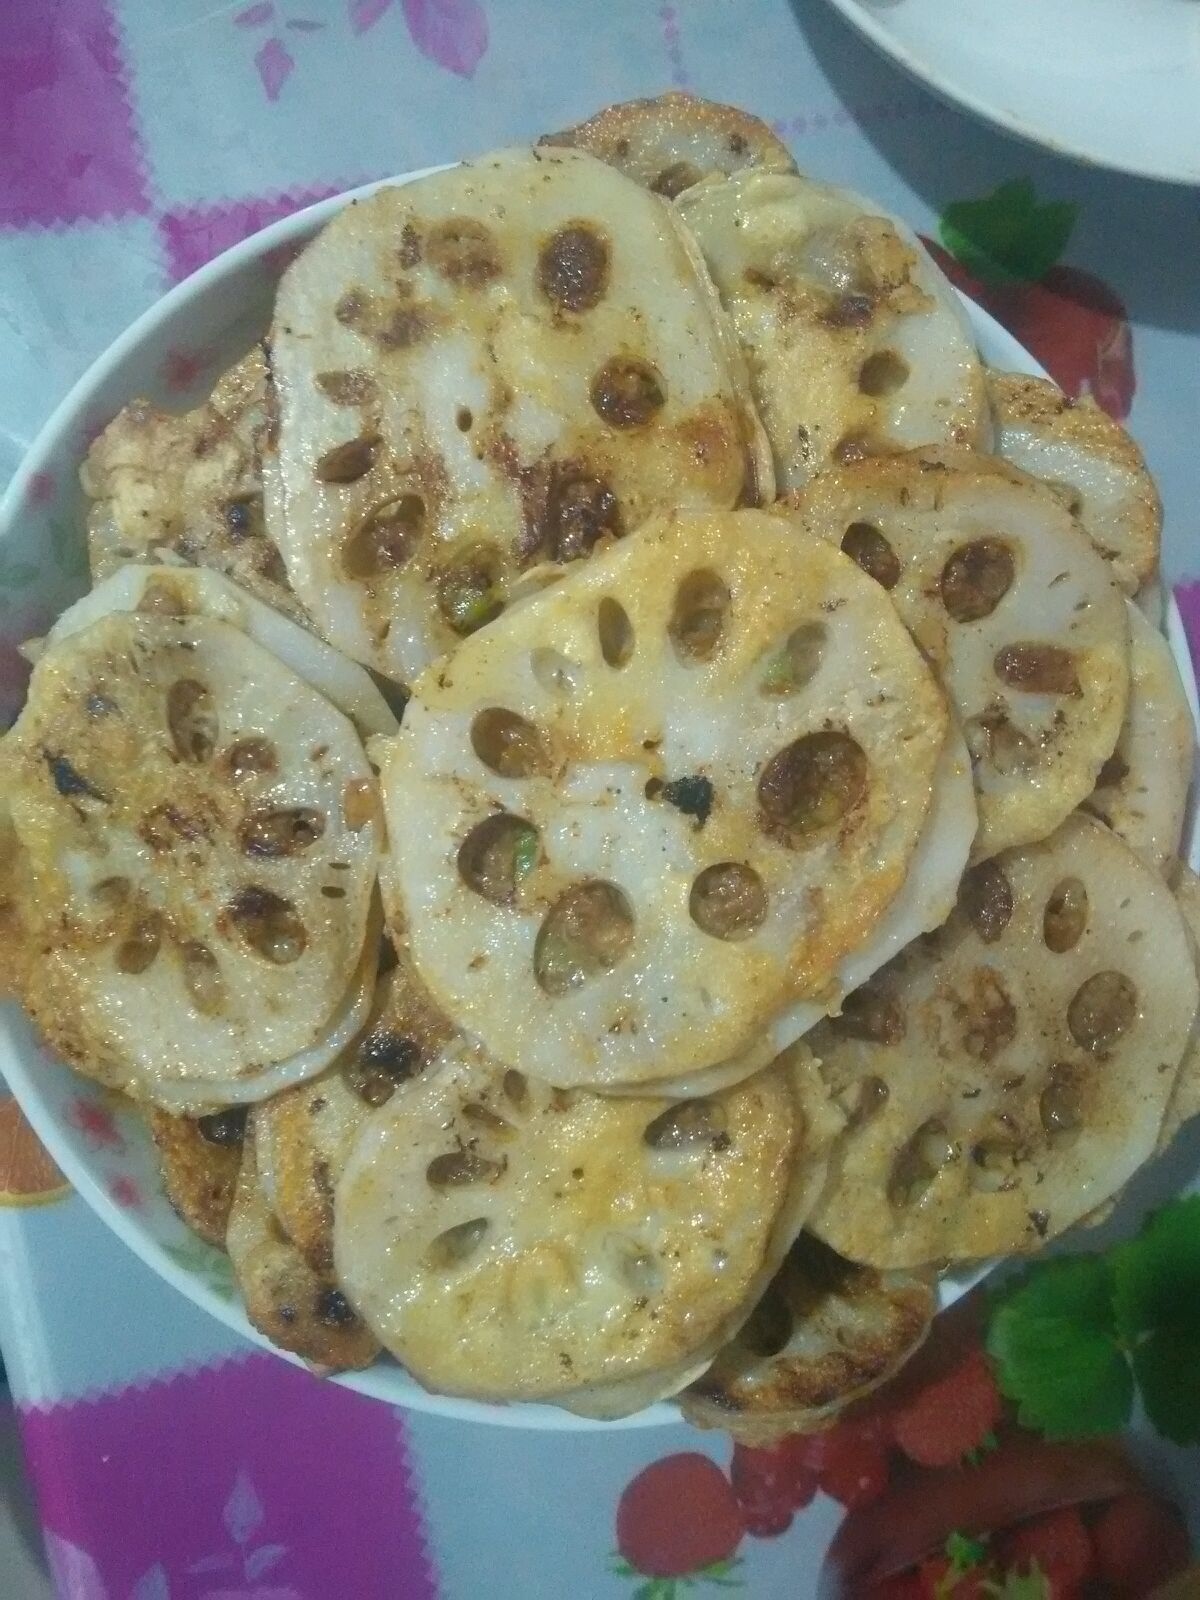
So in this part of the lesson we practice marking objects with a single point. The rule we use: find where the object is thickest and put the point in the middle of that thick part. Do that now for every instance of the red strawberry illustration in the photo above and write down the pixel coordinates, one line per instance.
(679, 1522)
(1002, 250)
(772, 1483)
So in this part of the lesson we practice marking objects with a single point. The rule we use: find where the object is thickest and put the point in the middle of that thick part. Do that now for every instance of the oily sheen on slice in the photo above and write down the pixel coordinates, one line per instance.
(856, 343)
(198, 832)
(507, 1240)
(1012, 607)
(1005, 1077)
(669, 794)
(501, 364)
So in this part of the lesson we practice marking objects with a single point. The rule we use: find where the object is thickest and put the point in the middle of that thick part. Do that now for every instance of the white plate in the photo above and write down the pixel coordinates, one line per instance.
(209, 321)
(1112, 82)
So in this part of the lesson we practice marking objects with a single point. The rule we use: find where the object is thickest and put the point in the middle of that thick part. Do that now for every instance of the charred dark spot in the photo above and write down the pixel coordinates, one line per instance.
(244, 518)
(573, 267)
(69, 781)
(165, 825)
(334, 1310)
(1115, 770)
(693, 796)
(100, 705)
(225, 1128)
(351, 308)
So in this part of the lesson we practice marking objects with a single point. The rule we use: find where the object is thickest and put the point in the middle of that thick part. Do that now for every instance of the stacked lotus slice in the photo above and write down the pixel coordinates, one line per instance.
(777, 858)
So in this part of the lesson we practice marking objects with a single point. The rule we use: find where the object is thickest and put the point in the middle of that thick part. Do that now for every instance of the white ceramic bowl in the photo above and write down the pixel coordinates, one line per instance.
(171, 355)
(1111, 82)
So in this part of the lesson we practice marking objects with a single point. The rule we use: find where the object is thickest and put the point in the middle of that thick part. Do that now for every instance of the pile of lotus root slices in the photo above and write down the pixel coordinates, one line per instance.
(616, 800)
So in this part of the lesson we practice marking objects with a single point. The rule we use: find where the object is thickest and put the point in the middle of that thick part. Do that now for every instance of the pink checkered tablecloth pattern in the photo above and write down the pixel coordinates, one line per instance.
(138, 138)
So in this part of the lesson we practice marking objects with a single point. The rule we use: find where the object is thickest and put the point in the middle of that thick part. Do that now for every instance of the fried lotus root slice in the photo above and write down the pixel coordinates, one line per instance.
(856, 344)
(1081, 452)
(1142, 789)
(190, 484)
(511, 1241)
(667, 796)
(926, 898)
(200, 837)
(1012, 607)
(825, 1334)
(198, 1161)
(1006, 1076)
(305, 1135)
(296, 1308)
(190, 591)
(1184, 1103)
(505, 363)
(669, 143)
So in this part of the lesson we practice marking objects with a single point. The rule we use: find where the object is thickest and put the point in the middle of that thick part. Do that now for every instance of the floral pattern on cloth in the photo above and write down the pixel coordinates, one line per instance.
(220, 1484)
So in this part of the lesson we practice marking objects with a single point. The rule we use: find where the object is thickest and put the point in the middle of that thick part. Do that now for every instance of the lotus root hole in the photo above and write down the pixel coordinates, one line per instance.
(615, 631)
(202, 977)
(1065, 916)
(269, 925)
(873, 1015)
(627, 393)
(1101, 1010)
(728, 900)
(769, 1327)
(699, 616)
(508, 744)
(635, 1266)
(468, 588)
(1034, 668)
(456, 1245)
(869, 549)
(554, 672)
(810, 786)
(461, 1169)
(288, 831)
(496, 855)
(250, 758)
(139, 949)
(191, 720)
(985, 898)
(686, 1126)
(883, 374)
(586, 932)
(1061, 1102)
(385, 538)
(929, 1152)
(976, 578)
(793, 668)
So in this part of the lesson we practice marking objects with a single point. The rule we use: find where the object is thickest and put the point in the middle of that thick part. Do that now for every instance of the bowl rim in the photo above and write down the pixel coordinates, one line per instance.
(54, 443)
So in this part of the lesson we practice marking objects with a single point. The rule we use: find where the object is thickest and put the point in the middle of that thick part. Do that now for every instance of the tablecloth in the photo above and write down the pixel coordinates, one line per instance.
(137, 139)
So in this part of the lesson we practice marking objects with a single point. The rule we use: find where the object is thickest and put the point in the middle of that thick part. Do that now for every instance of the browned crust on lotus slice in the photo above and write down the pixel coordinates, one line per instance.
(671, 142)
(198, 1160)
(298, 1309)
(825, 1334)
(1088, 457)
(190, 485)
(305, 1134)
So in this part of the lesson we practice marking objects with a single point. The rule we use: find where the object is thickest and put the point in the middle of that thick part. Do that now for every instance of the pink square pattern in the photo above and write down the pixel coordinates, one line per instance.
(69, 151)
